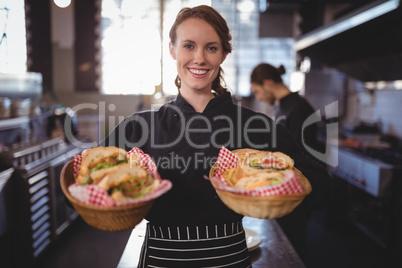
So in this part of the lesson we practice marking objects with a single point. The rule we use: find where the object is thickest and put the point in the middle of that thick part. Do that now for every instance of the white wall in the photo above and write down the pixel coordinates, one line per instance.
(383, 106)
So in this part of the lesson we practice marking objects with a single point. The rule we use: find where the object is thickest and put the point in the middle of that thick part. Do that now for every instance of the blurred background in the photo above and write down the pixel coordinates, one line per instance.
(86, 65)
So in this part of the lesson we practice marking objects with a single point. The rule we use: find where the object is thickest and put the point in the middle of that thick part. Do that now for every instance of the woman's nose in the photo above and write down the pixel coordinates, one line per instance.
(199, 57)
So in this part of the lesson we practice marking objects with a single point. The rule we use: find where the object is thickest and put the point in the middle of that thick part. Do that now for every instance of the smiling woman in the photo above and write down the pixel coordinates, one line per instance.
(190, 226)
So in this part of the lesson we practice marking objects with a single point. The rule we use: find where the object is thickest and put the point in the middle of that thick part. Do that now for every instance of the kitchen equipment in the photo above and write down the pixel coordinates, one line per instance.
(4, 177)
(364, 134)
(14, 130)
(6, 206)
(389, 155)
(4, 108)
(20, 155)
(368, 193)
(62, 215)
(20, 108)
(365, 172)
(361, 128)
(21, 86)
(40, 213)
(56, 123)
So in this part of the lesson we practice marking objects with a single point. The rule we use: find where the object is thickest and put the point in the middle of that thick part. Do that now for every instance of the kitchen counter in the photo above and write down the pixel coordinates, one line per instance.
(275, 250)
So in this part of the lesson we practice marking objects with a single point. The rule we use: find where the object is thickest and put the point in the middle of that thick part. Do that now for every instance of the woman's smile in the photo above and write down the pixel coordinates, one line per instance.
(198, 72)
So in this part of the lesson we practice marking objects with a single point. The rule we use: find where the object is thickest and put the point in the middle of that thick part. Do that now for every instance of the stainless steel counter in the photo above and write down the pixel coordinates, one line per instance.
(275, 250)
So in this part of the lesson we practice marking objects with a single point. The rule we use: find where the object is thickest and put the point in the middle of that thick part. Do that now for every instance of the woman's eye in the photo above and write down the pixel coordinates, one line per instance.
(188, 46)
(212, 48)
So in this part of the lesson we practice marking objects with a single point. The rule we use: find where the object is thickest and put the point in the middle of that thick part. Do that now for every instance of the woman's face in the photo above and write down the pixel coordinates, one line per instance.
(199, 54)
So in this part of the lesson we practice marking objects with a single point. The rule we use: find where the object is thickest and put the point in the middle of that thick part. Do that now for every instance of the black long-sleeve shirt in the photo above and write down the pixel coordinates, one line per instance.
(185, 144)
(292, 112)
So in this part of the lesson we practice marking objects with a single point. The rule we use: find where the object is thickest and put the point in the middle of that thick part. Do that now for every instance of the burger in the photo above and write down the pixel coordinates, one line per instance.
(111, 169)
(258, 168)
(128, 181)
(97, 162)
(260, 179)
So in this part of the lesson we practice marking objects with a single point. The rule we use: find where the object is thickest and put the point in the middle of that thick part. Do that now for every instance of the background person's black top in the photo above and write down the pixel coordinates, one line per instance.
(292, 112)
(192, 199)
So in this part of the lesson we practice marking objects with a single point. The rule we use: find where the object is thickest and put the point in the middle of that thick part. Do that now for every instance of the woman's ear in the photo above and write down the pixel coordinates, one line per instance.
(224, 56)
(268, 83)
(172, 51)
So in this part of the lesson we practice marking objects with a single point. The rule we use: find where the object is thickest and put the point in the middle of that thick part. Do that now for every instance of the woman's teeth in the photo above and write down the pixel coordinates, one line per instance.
(195, 71)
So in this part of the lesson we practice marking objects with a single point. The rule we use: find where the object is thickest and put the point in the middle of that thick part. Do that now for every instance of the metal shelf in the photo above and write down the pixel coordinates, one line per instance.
(13, 122)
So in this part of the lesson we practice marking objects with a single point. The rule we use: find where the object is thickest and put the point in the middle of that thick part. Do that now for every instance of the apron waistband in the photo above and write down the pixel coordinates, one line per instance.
(195, 232)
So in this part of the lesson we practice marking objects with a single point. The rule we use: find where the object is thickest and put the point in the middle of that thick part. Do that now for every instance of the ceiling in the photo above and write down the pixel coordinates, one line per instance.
(367, 51)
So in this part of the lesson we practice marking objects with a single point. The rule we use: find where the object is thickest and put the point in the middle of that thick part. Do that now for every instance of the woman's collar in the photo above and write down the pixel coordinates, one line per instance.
(214, 104)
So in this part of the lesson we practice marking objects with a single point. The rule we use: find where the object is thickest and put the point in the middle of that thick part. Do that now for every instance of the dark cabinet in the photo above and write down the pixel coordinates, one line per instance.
(39, 212)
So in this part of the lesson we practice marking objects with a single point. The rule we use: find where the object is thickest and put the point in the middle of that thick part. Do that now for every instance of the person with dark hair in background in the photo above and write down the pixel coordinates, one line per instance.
(291, 111)
(189, 226)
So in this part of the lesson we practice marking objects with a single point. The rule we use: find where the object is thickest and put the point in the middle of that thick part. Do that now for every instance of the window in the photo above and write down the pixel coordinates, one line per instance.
(13, 52)
(242, 17)
(131, 46)
(135, 51)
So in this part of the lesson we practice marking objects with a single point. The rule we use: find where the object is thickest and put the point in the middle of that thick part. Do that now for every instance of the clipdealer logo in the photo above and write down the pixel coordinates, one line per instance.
(186, 129)
(330, 156)
(237, 130)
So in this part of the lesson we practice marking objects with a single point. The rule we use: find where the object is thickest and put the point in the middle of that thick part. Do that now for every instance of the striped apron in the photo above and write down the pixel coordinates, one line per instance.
(195, 246)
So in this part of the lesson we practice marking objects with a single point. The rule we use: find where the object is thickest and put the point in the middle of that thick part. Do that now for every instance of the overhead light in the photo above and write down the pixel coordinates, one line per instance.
(305, 65)
(297, 80)
(263, 5)
(62, 3)
(246, 6)
(398, 84)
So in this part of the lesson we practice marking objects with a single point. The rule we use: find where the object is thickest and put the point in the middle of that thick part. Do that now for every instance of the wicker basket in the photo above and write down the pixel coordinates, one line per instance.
(104, 218)
(267, 207)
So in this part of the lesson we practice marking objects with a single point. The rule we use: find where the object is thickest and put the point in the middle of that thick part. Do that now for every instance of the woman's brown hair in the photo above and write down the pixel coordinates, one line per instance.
(265, 71)
(213, 18)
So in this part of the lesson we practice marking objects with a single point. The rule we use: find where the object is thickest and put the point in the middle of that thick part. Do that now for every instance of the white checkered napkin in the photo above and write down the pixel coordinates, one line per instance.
(290, 184)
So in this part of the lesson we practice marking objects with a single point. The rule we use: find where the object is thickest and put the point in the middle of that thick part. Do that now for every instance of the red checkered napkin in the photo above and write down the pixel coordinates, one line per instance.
(227, 159)
(91, 195)
(94, 195)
